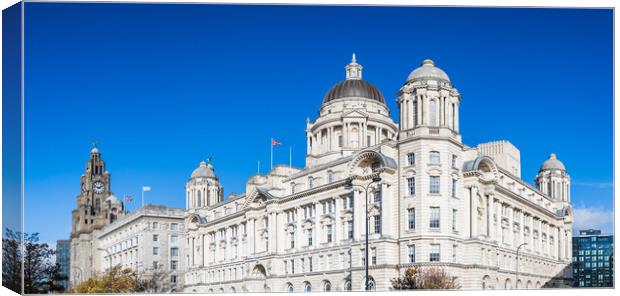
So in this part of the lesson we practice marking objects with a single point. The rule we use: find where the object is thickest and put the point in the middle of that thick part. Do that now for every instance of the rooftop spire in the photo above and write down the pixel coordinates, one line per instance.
(353, 69)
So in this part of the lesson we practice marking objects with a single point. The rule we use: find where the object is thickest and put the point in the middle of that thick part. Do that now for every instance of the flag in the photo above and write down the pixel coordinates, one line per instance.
(128, 198)
(146, 188)
(275, 142)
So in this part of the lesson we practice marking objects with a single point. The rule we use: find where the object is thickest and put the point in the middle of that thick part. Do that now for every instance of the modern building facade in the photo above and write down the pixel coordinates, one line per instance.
(63, 259)
(593, 259)
(150, 241)
(422, 196)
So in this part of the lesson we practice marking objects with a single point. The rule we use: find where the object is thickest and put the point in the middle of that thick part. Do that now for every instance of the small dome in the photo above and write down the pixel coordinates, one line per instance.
(428, 70)
(94, 150)
(354, 88)
(205, 170)
(552, 163)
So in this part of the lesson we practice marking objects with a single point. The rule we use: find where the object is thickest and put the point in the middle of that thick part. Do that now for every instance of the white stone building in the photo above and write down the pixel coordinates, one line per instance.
(147, 241)
(439, 202)
(102, 231)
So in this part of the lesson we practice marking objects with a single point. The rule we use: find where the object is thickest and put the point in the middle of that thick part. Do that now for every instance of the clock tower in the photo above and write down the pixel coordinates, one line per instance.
(97, 207)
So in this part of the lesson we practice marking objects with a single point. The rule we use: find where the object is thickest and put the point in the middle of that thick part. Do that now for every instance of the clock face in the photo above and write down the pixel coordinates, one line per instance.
(98, 187)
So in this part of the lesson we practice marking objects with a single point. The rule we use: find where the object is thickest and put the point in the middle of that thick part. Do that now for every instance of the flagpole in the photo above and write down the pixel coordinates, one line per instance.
(258, 169)
(290, 156)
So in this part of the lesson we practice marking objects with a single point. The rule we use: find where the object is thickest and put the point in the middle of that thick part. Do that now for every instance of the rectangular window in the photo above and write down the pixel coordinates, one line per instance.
(339, 140)
(350, 229)
(174, 226)
(377, 224)
(454, 253)
(155, 225)
(454, 215)
(329, 233)
(373, 256)
(155, 237)
(310, 265)
(376, 196)
(174, 252)
(309, 237)
(292, 237)
(434, 217)
(174, 238)
(173, 278)
(434, 184)
(435, 254)
(363, 253)
(411, 158)
(454, 187)
(174, 264)
(411, 253)
(368, 140)
(293, 266)
(454, 157)
(155, 265)
(411, 218)
(348, 202)
(434, 157)
(155, 251)
(411, 186)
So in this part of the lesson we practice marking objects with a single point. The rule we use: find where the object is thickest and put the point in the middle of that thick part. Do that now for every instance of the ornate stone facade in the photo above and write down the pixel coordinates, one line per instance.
(438, 203)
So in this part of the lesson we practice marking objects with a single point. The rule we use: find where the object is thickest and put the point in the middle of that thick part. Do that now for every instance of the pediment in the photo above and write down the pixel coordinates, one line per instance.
(354, 114)
(258, 198)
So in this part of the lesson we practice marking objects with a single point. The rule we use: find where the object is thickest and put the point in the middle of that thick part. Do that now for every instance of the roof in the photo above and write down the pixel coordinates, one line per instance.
(351, 88)
(552, 163)
(428, 70)
(204, 170)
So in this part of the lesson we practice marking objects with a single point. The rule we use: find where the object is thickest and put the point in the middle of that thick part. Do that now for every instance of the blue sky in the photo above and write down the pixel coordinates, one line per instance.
(162, 87)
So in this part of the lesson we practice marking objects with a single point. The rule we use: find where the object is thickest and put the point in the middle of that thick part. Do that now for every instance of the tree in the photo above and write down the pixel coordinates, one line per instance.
(425, 278)
(39, 270)
(123, 281)
(157, 280)
(11, 261)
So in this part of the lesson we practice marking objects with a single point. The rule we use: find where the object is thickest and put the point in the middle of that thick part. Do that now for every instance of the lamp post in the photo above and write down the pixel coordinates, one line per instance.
(350, 185)
(109, 261)
(517, 267)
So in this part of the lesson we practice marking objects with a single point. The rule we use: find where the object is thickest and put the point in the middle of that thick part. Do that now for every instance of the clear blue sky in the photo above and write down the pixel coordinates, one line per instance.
(162, 87)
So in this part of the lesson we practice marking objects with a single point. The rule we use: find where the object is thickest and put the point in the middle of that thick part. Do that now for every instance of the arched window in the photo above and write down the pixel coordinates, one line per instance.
(327, 286)
(432, 109)
(292, 188)
(371, 284)
(307, 287)
(310, 182)
(347, 286)
(289, 288)
(233, 290)
(198, 200)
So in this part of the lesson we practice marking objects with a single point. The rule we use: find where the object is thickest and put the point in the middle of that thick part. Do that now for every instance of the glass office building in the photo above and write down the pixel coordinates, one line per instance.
(593, 259)
(63, 258)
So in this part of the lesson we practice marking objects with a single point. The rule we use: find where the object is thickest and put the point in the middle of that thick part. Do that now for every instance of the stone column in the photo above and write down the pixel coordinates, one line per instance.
(318, 231)
(474, 211)
(336, 225)
(251, 236)
(418, 110)
(202, 250)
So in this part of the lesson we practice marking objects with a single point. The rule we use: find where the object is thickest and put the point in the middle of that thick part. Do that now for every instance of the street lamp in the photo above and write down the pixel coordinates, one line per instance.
(517, 267)
(348, 185)
(109, 261)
